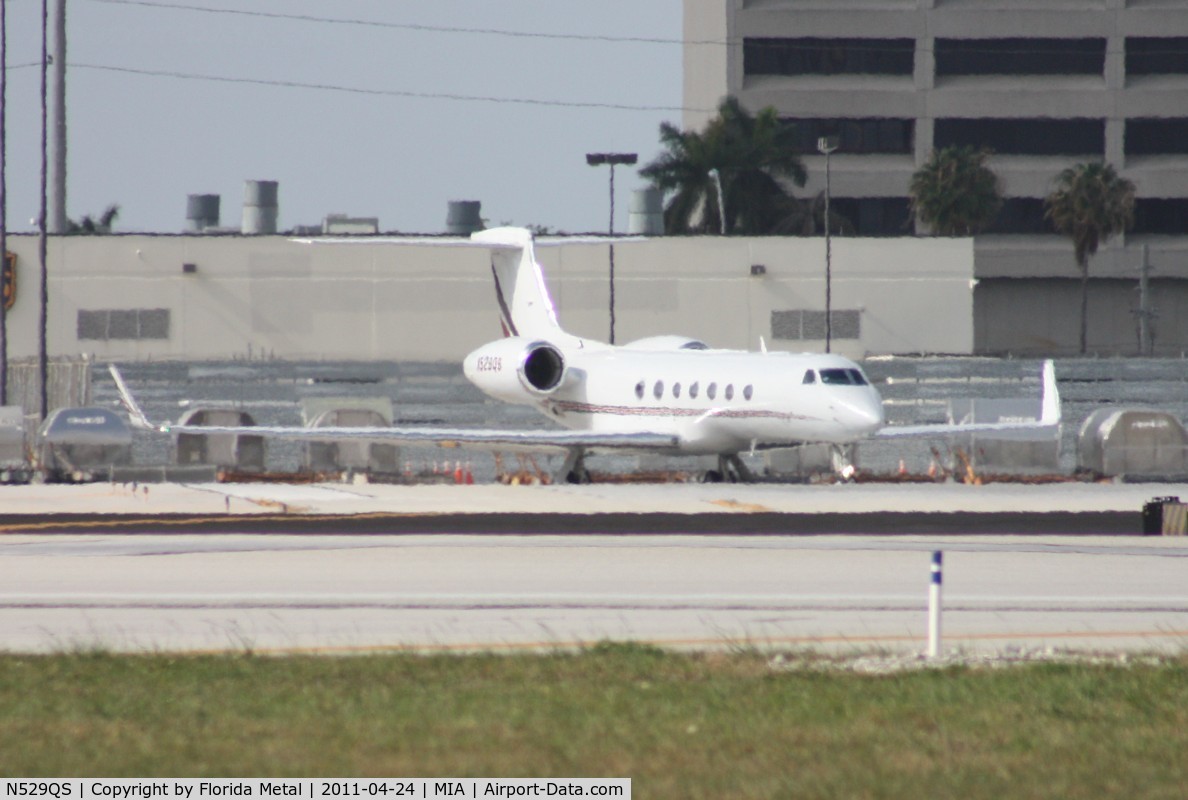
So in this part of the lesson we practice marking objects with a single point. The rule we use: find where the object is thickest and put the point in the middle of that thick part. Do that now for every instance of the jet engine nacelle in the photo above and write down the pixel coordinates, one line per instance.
(517, 370)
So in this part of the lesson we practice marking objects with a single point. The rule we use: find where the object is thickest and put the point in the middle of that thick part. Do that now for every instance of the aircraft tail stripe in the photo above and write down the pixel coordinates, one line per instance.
(509, 324)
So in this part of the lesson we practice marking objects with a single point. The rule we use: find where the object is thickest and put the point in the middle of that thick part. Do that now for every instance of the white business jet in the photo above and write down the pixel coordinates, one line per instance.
(666, 394)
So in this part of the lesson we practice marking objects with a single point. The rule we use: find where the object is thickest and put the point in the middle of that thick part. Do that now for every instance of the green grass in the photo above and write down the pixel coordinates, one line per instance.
(681, 726)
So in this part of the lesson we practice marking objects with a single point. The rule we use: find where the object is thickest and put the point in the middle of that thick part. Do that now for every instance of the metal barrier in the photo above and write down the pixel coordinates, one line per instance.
(243, 452)
(1165, 516)
(1134, 442)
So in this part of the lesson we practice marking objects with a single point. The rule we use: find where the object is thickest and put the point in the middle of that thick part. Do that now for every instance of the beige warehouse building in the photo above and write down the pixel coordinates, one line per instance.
(214, 297)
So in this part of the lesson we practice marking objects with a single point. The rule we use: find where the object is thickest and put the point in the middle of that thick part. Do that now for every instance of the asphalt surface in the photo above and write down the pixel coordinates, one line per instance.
(889, 509)
(341, 568)
(886, 524)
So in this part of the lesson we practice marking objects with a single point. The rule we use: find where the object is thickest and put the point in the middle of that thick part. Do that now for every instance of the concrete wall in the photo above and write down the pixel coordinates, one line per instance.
(133, 297)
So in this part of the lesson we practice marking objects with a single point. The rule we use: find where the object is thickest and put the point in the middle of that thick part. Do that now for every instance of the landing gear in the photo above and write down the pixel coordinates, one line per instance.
(574, 468)
(842, 456)
(731, 469)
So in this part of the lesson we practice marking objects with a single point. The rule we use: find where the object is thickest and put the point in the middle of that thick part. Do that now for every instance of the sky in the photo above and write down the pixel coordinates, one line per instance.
(167, 98)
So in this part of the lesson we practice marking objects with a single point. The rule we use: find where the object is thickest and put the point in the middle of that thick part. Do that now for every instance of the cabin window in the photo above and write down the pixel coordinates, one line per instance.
(748, 391)
(809, 377)
(730, 391)
(658, 390)
(676, 390)
(693, 390)
(639, 390)
(711, 391)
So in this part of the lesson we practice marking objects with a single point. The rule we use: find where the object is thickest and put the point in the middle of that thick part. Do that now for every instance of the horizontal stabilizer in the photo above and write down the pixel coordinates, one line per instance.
(492, 239)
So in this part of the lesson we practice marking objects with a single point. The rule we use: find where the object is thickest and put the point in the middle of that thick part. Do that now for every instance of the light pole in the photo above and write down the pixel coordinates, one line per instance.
(611, 159)
(4, 288)
(42, 346)
(826, 145)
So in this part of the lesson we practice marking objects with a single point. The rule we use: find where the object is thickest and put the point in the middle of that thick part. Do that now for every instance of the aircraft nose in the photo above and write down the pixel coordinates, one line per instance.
(863, 413)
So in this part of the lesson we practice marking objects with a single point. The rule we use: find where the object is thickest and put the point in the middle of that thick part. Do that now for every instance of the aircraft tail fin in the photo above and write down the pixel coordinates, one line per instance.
(135, 413)
(525, 307)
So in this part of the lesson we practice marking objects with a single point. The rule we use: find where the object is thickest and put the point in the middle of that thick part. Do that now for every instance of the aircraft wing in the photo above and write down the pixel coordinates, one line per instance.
(485, 438)
(1049, 418)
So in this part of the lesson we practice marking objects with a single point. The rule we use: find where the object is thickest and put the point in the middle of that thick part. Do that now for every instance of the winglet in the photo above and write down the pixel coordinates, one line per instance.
(1050, 413)
(1050, 417)
(135, 414)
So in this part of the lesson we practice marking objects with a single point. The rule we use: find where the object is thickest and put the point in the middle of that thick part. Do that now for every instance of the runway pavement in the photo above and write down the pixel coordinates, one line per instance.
(352, 594)
(334, 568)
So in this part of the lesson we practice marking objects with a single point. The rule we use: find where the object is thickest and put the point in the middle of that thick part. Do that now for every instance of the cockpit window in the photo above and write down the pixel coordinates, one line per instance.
(809, 376)
(843, 377)
(695, 346)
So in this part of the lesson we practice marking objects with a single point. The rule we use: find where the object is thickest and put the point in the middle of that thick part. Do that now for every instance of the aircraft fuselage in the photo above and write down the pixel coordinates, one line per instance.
(711, 401)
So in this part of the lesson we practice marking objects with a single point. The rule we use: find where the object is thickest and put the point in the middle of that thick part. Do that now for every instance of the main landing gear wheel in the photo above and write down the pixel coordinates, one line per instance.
(574, 468)
(731, 469)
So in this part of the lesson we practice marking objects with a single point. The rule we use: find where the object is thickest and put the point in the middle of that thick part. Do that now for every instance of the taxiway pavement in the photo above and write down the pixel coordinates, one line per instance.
(757, 508)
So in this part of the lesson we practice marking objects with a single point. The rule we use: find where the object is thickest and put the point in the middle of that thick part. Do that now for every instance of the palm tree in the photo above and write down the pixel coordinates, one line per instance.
(955, 193)
(753, 156)
(90, 225)
(1090, 204)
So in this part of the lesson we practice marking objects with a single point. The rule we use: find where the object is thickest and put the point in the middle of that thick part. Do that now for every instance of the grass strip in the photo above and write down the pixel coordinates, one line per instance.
(680, 725)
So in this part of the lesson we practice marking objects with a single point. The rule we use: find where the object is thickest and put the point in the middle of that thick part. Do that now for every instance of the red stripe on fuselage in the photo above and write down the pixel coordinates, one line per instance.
(662, 411)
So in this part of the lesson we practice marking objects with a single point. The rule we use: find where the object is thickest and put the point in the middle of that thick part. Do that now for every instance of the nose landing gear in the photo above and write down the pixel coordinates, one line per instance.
(842, 456)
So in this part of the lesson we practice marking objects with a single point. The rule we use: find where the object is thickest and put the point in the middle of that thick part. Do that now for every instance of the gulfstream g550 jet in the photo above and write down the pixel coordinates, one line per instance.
(667, 394)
